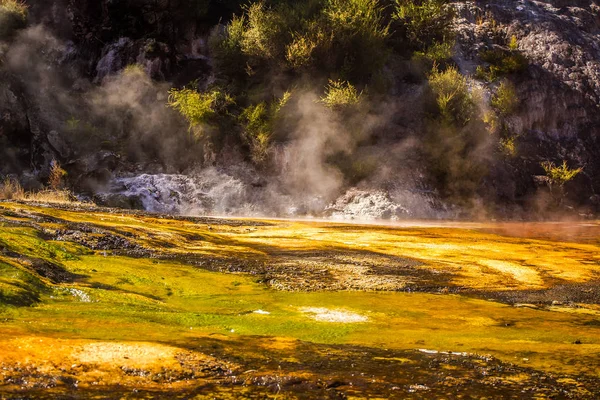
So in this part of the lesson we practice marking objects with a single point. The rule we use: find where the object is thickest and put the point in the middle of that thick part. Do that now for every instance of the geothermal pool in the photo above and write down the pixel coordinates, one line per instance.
(104, 303)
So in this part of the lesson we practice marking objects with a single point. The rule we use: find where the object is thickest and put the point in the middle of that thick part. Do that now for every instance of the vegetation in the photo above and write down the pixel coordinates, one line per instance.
(57, 174)
(500, 63)
(13, 16)
(505, 101)
(452, 95)
(425, 22)
(508, 146)
(200, 108)
(258, 122)
(557, 176)
(11, 189)
(339, 94)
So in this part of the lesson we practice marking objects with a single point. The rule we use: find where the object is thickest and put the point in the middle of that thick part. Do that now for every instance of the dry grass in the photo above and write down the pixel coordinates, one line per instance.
(11, 189)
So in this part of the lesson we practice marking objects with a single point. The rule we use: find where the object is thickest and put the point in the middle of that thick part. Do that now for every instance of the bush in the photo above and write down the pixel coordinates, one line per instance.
(57, 174)
(264, 36)
(505, 101)
(358, 38)
(341, 37)
(199, 108)
(424, 22)
(501, 63)
(13, 16)
(559, 175)
(452, 95)
(508, 146)
(340, 94)
(226, 47)
(258, 122)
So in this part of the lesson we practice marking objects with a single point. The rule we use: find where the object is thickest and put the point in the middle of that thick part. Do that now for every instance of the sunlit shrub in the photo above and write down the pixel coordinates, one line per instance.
(508, 146)
(57, 175)
(557, 177)
(339, 94)
(299, 53)
(13, 16)
(438, 54)
(561, 174)
(358, 37)
(505, 101)
(452, 95)
(258, 122)
(501, 63)
(424, 21)
(199, 108)
(264, 34)
(225, 43)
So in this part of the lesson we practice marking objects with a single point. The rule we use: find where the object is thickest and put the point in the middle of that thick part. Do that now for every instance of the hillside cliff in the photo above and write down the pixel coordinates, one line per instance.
(87, 83)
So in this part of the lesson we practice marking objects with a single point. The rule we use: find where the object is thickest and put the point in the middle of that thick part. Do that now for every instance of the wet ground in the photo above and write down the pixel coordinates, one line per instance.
(99, 303)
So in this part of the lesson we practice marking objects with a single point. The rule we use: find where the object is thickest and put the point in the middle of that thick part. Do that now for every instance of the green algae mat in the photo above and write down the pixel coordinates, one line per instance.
(99, 303)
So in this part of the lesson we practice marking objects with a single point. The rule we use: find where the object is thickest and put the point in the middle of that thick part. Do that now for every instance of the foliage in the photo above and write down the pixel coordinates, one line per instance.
(13, 16)
(342, 37)
(514, 43)
(436, 54)
(258, 122)
(199, 108)
(508, 146)
(561, 174)
(424, 21)
(452, 95)
(262, 37)
(226, 46)
(299, 53)
(501, 63)
(134, 70)
(505, 100)
(339, 94)
(57, 174)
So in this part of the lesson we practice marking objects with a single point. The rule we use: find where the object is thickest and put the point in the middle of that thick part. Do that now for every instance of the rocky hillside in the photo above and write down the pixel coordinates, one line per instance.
(352, 108)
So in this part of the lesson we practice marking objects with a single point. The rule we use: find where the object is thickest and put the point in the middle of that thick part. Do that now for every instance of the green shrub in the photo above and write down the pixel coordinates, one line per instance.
(424, 22)
(514, 43)
(437, 54)
(264, 36)
(452, 95)
(199, 108)
(559, 175)
(226, 47)
(299, 53)
(13, 16)
(505, 101)
(340, 94)
(258, 122)
(508, 146)
(501, 63)
(358, 35)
